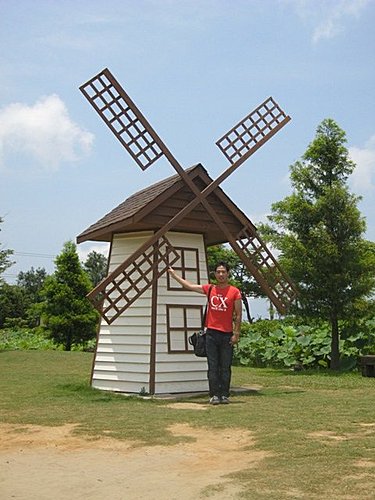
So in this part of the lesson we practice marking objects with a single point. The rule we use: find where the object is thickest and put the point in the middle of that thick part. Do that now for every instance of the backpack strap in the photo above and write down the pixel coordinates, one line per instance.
(205, 309)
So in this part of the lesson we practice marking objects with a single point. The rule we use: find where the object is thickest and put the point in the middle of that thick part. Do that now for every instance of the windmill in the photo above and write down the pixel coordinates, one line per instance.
(119, 289)
(134, 276)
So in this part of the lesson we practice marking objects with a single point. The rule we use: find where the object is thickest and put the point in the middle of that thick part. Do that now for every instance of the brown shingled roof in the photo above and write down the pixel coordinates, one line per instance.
(148, 208)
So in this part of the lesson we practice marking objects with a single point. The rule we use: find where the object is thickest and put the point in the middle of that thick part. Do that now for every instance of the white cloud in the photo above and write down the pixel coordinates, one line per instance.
(336, 16)
(327, 18)
(363, 177)
(41, 134)
(83, 249)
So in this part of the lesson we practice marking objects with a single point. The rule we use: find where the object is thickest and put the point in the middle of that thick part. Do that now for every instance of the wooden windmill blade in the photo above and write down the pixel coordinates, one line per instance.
(136, 134)
(123, 117)
(132, 277)
(241, 141)
(129, 280)
(260, 262)
(237, 145)
(123, 286)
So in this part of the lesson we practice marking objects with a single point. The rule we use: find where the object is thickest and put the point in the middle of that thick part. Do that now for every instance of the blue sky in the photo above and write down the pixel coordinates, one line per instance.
(194, 68)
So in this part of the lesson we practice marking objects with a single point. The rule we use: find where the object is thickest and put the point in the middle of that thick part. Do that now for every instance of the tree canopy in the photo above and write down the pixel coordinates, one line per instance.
(32, 282)
(68, 315)
(320, 232)
(13, 303)
(96, 266)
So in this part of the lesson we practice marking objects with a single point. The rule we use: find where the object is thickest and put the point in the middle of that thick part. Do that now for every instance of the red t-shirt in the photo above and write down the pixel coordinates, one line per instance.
(220, 310)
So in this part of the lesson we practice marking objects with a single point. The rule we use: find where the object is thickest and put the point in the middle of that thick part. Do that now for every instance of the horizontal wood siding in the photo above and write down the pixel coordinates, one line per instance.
(185, 386)
(110, 385)
(122, 359)
(179, 372)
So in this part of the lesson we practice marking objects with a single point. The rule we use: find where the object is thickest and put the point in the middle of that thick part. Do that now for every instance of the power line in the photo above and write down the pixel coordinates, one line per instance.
(31, 254)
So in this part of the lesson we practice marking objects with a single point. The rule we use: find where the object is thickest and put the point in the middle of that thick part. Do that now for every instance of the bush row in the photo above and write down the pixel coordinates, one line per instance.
(264, 343)
(280, 343)
(13, 339)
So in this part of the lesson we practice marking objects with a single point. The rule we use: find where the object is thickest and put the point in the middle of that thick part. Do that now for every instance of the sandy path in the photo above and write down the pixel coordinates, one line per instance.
(51, 463)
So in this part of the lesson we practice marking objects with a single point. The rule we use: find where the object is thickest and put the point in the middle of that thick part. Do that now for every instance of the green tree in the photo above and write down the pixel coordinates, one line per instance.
(96, 266)
(32, 282)
(5, 261)
(68, 316)
(13, 302)
(319, 230)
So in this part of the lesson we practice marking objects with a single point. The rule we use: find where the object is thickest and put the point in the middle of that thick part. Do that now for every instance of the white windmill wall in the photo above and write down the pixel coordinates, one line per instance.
(122, 360)
(179, 372)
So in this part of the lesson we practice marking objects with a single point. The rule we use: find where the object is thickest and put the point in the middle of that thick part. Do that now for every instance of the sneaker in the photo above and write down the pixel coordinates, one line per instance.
(224, 400)
(215, 400)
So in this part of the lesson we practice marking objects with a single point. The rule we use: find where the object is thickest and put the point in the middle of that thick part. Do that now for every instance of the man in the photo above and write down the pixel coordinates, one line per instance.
(223, 324)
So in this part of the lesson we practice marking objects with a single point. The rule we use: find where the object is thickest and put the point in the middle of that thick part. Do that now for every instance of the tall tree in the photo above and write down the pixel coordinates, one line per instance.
(13, 303)
(5, 254)
(68, 315)
(31, 283)
(319, 230)
(96, 266)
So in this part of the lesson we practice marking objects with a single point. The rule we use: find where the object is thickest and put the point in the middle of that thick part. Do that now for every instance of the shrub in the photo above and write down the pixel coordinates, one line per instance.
(24, 339)
(288, 343)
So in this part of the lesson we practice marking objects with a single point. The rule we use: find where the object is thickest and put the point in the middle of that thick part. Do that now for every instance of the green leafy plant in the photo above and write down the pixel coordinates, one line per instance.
(15, 339)
(281, 344)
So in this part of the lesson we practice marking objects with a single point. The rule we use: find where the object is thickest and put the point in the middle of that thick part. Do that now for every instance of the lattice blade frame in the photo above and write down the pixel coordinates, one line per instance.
(124, 119)
(245, 138)
(131, 279)
(266, 270)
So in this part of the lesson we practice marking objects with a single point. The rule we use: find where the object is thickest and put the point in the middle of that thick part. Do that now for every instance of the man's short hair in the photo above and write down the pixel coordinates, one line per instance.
(222, 264)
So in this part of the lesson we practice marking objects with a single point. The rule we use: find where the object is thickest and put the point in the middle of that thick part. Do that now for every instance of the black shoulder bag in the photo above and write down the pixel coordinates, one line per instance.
(198, 339)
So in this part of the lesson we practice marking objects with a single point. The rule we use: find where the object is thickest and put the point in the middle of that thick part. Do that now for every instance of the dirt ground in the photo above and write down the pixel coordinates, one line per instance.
(51, 463)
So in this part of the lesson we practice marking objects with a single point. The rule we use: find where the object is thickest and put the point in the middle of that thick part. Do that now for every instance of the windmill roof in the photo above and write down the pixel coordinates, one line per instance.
(152, 207)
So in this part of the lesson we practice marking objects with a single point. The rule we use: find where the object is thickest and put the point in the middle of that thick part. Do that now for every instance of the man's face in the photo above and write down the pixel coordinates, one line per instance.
(221, 275)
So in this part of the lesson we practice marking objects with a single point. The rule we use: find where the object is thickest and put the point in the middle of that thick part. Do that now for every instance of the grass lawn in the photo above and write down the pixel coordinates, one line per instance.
(319, 428)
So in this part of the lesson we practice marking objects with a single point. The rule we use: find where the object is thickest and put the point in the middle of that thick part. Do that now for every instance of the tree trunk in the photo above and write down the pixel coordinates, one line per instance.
(271, 311)
(335, 336)
(68, 341)
(247, 307)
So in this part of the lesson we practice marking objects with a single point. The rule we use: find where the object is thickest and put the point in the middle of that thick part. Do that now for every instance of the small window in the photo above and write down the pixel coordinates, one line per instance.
(182, 321)
(187, 266)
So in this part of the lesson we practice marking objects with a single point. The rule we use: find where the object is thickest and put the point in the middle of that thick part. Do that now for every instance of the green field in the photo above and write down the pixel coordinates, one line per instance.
(318, 427)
